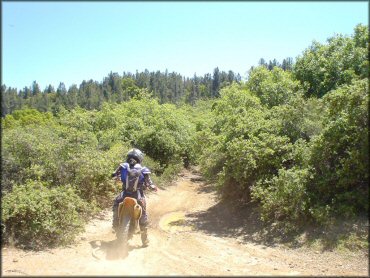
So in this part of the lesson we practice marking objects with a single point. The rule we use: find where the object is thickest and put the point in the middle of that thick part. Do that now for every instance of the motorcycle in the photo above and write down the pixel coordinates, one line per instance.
(129, 213)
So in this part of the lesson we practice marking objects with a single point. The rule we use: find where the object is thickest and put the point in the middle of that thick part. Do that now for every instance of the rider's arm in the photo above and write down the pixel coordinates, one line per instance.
(117, 172)
(149, 183)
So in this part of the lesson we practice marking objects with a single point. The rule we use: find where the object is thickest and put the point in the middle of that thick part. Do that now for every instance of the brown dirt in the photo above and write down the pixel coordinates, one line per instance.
(191, 233)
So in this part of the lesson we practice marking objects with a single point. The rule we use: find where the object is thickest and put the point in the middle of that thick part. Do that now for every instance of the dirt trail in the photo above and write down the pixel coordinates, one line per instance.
(182, 242)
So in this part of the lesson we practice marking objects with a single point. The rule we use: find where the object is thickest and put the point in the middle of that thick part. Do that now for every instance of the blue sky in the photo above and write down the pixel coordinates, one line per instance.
(69, 42)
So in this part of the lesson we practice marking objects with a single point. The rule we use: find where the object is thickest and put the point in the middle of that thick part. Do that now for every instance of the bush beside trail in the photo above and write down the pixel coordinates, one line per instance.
(37, 216)
(300, 153)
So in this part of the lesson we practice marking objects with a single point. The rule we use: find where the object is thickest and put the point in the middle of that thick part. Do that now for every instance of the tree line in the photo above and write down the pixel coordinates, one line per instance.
(167, 87)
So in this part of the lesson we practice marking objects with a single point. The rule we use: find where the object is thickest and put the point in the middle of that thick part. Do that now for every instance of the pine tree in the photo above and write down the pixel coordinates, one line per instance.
(35, 88)
(216, 83)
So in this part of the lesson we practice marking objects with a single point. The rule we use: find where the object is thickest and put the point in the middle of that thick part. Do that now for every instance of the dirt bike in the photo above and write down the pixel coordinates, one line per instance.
(129, 213)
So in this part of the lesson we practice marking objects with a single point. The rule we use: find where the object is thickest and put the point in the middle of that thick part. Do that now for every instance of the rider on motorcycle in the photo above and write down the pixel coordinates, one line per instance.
(135, 178)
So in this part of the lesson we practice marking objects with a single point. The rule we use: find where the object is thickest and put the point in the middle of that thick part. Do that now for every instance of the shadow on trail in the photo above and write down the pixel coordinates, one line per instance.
(230, 219)
(227, 220)
(204, 187)
(110, 250)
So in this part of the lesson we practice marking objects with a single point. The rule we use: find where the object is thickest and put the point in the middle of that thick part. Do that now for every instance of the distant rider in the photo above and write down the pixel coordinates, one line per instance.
(135, 178)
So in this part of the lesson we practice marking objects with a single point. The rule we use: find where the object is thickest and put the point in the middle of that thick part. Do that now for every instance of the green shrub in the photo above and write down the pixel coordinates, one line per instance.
(27, 117)
(160, 131)
(249, 161)
(235, 115)
(299, 118)
(284, 197)
(326, 67)
(340, 154)
(38, 216)
(170, 172)
(29, 153)
(245, 145)
(274, 87)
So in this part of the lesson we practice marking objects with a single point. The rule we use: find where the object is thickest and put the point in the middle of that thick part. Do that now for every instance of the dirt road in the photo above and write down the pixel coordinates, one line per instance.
(190, 234)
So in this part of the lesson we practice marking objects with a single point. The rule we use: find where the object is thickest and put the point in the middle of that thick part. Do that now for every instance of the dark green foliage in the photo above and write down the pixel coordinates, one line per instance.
(287, 64)
(90, 95)
(216, 82)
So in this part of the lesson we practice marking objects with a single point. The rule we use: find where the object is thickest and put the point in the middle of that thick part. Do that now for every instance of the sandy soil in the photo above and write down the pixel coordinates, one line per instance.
(190, 233)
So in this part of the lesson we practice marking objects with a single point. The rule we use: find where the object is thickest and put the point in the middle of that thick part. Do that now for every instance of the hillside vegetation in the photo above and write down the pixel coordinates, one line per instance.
(293, 141)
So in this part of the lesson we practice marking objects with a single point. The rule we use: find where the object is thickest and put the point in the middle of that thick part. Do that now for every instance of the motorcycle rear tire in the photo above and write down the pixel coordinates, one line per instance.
(122, 234)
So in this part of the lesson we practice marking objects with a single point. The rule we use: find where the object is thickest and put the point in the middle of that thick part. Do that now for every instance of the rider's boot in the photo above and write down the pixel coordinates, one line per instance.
(115, 221)
(144, 236)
